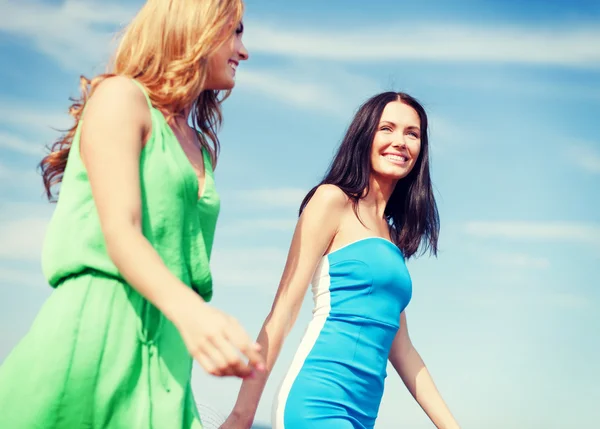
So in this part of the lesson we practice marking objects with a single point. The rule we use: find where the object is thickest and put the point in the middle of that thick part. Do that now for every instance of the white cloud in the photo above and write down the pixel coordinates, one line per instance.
(27, 179)
(77, 35)
(564, 46)
(22, 230)
(34, 118)
(30, 278)
(37, 128)
(519, 260)
(304, 94)
(277, 197)
(585, 157)
(542, 231)
(18, 144)
(74, 32)
(257, 267)
(22, 239)
(567, 301)
(258, 225)
(77, 31)
(313, 86)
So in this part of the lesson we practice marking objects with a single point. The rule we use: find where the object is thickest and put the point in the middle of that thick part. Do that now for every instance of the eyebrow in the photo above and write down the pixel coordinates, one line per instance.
(411, 127)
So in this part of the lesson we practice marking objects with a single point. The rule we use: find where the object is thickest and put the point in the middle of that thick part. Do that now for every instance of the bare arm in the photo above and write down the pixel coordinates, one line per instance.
(316, 228)
(116, 122)
(413, 372)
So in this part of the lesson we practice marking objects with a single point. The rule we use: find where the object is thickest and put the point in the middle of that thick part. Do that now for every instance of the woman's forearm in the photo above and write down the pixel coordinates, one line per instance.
(141, 266)
(270, 338)
(419, 382)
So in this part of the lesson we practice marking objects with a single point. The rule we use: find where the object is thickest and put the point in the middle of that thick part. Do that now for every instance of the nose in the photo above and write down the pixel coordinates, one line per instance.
(399, 141)
(242, 51)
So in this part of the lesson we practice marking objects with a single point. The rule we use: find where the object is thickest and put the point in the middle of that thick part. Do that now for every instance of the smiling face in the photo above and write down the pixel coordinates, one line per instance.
(397, 142)
(223, 63)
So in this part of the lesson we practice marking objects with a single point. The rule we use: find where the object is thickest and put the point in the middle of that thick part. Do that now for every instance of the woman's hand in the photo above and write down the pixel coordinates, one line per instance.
(215, 339)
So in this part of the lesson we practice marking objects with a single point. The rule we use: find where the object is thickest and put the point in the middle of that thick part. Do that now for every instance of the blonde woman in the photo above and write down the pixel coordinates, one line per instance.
(128, 247)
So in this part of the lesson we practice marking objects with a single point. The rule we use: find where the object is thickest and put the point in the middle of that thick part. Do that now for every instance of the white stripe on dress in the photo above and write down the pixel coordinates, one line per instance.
(322, 306)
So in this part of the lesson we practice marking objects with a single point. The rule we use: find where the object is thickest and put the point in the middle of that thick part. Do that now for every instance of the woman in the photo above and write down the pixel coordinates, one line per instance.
(373, 210)
(128, 247)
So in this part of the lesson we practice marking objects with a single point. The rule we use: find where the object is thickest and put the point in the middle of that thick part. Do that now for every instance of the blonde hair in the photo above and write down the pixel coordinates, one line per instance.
(165, 48)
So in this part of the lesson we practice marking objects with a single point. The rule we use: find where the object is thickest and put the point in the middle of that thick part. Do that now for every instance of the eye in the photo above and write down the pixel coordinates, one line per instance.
(414, 134)
(240, 28)
(386, 128)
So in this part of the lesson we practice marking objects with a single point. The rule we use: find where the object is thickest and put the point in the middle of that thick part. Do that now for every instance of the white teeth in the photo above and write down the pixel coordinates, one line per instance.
(395, 158)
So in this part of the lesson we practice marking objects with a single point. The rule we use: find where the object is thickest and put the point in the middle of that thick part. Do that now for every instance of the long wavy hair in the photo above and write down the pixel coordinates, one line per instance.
(165, 48)
(411, 210)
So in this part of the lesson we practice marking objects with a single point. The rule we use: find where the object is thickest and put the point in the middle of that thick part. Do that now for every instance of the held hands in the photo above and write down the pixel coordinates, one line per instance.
(216, 340)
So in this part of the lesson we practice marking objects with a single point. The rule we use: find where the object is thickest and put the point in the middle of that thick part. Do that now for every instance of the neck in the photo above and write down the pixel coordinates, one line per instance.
(380, 191)
(186, 113)
(180, 120)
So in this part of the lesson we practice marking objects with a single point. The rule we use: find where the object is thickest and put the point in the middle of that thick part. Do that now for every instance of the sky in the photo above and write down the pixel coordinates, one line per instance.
(507, 316)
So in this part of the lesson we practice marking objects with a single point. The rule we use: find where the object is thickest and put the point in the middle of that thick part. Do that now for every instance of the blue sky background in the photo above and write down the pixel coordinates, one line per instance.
(507, 317)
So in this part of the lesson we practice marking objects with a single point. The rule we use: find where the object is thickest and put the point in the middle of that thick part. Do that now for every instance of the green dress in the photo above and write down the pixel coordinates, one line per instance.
(98, 354)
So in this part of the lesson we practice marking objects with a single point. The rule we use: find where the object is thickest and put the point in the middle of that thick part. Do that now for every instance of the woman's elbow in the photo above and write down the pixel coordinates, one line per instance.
(118, 237)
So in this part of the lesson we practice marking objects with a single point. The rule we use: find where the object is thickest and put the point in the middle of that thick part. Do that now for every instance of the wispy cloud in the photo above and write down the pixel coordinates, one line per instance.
(21, 239)
(259, 267)
(18, 144)
(305, 94)
(30, 130)
(73, 32)
(26, 178)
(331, 90)
(538, 231)
(586, 157)
(276, 197)
(447, 42)
(34, 119)
(76, 31)
(567, 300)
(77, 35)
(519, 260)
(31, 277)
(252, 226)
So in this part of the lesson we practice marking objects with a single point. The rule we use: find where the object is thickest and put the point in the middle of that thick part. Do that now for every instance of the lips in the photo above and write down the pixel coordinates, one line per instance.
(233, 64)
(400, 159)
(393, 157)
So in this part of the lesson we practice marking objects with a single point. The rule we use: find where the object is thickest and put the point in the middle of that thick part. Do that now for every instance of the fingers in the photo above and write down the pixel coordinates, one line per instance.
(238, 337)
(218, 362)
(223, 348)
(206, 363)
(233, 361)
(217, 359)
(220, 358)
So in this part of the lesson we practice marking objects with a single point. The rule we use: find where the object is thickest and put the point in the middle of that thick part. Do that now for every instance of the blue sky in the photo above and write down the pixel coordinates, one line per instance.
(507, 317)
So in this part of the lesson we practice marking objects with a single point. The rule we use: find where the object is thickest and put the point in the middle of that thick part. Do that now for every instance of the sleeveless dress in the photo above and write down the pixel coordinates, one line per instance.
(98, 354)
(336, 379)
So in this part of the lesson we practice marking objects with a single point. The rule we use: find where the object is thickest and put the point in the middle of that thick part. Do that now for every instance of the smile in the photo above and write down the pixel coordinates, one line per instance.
(396, 159)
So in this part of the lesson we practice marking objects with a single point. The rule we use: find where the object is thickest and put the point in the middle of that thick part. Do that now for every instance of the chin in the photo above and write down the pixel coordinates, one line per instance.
(394, 174)
(224, 85)
(229, 83)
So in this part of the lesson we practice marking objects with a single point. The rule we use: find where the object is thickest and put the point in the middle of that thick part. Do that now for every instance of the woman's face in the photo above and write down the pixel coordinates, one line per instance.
(397, 142)
(223, 63)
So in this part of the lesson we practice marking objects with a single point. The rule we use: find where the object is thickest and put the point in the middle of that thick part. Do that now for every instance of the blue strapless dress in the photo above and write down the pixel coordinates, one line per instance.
(336, 379)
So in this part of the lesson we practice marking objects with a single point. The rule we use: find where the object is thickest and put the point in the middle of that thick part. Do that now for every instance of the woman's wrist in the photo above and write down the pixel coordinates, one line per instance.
(244, 415)
(179, 297)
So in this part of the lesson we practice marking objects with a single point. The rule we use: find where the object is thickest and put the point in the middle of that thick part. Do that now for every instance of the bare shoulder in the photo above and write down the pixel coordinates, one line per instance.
(330, 197)
(120, 98)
